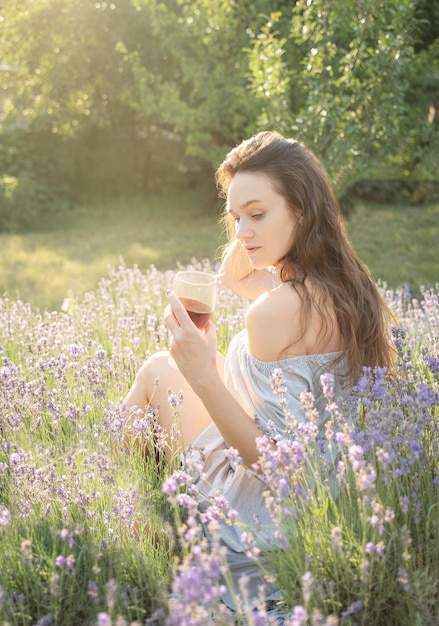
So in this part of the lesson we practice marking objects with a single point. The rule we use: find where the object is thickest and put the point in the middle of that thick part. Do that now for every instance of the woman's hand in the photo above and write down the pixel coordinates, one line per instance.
(238, 274)
(235, 264)
(193, 351)
(195, 354)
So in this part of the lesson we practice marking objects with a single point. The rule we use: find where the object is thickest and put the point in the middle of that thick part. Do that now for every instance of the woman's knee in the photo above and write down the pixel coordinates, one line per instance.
(154, 366)
(157, 375)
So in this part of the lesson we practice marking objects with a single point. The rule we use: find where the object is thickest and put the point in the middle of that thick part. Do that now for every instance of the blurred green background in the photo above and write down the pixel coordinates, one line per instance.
(115, 115)
(398, 243)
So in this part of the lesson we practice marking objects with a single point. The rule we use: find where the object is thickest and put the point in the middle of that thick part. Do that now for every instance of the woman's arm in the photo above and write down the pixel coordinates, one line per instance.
(195, 354)
(237, 273)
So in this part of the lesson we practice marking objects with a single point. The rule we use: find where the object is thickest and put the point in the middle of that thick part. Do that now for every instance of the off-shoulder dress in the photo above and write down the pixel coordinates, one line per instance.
(249, 380)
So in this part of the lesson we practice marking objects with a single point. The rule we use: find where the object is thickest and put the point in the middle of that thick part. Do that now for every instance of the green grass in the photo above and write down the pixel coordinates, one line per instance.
(43, 268)
(399, 244)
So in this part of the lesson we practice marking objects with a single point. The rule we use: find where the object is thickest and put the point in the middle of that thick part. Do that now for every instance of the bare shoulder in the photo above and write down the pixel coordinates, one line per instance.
(273, 323)
(277, 329)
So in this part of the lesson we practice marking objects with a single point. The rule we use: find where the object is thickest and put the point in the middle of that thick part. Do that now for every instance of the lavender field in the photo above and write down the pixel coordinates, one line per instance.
(95, 533)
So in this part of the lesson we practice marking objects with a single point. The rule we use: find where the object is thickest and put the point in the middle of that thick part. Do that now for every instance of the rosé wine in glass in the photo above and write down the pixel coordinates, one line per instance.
(197, 292)
(199, 312)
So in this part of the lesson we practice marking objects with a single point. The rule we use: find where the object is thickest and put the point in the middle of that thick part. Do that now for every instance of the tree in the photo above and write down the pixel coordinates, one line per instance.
(169, 78)
(345, 74)
(111, 95)
(73, 82)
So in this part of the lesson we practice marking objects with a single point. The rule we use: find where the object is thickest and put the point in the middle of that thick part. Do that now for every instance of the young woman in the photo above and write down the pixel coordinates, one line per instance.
(315, 309)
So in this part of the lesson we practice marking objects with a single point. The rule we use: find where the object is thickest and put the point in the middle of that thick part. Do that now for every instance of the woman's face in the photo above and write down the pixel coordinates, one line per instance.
(264, 223)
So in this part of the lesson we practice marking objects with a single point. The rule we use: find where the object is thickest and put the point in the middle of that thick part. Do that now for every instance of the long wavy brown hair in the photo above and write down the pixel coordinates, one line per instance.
(321, 250)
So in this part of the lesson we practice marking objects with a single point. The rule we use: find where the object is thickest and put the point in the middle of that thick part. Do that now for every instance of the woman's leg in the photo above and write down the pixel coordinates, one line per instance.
(155, 379)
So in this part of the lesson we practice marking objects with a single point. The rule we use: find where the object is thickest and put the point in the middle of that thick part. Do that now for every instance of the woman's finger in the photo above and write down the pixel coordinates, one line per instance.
(175, 313)
(210, 334)
(170, 319)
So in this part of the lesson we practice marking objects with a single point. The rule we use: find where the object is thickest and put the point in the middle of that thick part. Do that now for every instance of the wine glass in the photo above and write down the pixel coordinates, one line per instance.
(197, 292)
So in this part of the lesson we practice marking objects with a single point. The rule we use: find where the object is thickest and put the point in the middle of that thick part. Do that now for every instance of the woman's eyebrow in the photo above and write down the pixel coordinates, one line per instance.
(245, 205)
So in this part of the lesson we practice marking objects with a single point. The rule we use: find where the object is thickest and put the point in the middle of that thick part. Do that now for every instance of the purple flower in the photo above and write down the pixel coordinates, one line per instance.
(103, 620)
(432, 363)
(252, 550)
(327, 381)
(5, 372)
(100, 354)
(173, 400)
(64, 534)
(75, 349)
(233, 456)
(339, 438)
(277, 382)
(356, 456)
(352, 609)
(70, 562)
(60, 561)
(5, 516)
(169, 486)
(367, 478)
(299, 616)
(403, 578)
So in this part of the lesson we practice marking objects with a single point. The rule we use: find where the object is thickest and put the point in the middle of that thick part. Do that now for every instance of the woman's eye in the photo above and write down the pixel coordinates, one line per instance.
(236, 220)
(257, 216)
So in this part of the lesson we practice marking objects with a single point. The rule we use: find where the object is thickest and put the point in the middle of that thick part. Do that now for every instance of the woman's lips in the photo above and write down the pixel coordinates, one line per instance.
(252, 250)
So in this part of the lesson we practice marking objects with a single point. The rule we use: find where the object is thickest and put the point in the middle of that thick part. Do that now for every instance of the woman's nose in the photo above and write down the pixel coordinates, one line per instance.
(243, 231)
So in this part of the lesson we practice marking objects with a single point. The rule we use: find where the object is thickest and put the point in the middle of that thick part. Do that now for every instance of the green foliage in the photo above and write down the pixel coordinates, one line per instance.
(70, 257)
(200, 91)
(89, 528)
(85, 531)
(270, 78)
(132, 96)
(88, 532)
(357, 532)
(398, 242)
(25, 202)
(34, 187)
(51, 569)
(400, 246)
(350, 68)
(68, 66)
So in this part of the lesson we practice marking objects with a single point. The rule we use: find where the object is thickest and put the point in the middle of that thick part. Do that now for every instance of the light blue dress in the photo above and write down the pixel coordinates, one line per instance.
(249, 380)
